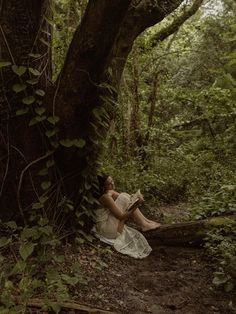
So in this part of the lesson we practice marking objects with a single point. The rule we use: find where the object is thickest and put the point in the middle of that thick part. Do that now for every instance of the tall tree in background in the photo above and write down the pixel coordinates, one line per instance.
(55, 131)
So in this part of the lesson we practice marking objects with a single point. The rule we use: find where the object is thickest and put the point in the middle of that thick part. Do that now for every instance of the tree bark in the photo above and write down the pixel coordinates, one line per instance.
(20, 34)
(191, 233)
(78, 101)
(175, 25)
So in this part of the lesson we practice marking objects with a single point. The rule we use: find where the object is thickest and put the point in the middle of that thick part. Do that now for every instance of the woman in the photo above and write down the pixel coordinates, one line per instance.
(111, 216)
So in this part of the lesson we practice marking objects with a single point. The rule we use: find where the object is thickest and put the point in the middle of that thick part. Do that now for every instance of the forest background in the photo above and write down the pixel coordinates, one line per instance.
(170, 131)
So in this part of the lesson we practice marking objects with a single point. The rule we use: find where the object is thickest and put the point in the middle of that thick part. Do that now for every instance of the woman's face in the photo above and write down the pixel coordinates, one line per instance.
(109, 184)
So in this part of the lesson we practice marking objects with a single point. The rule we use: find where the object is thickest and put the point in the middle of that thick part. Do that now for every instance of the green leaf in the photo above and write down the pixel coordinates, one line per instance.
(19, 70)
(28, 100)
(53, 120)
(37, 119)
(43, 199)
(11, 224)
(4, 64)
(22, 111)
(46, 230)
(28, 233)
(37, 206)
(73, 142)
(18, 268)
(4, 241)
(26, 249)
(40, 92)
(40, 110)
(34, 72)
(45, 185)
(79, 143)
(32, 81)
(35, 55)
(52, 132)
(18, 87)
(70, 280)
(66, 142)
(43, 172)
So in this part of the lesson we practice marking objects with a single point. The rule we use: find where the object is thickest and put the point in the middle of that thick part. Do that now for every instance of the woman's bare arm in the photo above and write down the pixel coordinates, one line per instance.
(107, 201)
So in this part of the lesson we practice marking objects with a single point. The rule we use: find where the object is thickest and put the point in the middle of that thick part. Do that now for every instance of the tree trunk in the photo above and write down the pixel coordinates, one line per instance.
(83, 93)
(23, 31)
(82, 101)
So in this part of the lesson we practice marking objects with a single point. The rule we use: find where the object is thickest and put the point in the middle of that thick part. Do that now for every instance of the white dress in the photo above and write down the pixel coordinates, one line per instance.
(130, 242)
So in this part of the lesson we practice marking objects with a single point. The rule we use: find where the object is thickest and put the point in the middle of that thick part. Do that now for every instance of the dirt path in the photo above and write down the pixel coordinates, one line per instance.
(170, 280)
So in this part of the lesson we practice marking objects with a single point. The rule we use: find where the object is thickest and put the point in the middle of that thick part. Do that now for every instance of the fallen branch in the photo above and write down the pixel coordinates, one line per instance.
(81, 308)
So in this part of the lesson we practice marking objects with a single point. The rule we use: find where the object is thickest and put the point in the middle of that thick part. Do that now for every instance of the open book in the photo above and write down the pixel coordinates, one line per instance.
(134, 200)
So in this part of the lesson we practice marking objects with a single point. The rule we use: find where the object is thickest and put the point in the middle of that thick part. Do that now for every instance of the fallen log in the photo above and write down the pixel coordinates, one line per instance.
(190, 233)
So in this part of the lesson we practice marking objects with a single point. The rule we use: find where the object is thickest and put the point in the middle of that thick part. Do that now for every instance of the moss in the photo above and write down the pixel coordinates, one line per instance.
(219, 221)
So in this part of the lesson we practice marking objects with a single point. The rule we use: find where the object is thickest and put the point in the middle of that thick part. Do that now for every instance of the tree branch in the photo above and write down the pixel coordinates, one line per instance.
(174, 26)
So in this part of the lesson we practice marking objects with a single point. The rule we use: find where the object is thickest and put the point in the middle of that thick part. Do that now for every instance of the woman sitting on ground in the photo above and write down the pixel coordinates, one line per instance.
(111, 216)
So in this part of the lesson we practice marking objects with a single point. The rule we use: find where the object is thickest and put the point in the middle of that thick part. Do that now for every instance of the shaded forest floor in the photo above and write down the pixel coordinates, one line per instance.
(171, 280)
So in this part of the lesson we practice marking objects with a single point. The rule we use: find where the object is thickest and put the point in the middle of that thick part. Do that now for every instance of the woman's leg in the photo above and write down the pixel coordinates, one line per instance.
(145, 223)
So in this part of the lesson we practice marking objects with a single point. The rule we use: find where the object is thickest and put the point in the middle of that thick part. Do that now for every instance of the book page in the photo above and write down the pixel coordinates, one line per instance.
(134, 200)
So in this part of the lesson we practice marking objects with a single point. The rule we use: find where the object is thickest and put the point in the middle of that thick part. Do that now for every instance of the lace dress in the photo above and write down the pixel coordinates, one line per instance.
(130, 241)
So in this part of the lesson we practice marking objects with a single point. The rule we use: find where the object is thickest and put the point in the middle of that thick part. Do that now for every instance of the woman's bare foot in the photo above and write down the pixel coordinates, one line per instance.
(151, 225)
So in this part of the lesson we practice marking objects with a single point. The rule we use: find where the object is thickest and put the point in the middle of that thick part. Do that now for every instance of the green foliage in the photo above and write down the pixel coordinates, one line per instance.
(221, 244)
(37, 268)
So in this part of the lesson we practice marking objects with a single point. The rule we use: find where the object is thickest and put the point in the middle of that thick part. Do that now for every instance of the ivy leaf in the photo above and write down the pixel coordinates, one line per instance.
(34, 71)
(45, 185)
(37, 120)
(32, 81)
(18, 87)
(19, 70)
(28, 100)
(37, 206)
(26, 249)
(40, 110)
(40, 92)
(22, 111)
(66, 142)
(43, 199)
(35, 55)
(79, 143)
(52, 132)
(4, 64)
(43, 172)
(53, 120)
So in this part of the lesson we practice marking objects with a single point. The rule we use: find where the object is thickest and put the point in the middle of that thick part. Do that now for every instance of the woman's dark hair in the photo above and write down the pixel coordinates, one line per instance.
(101, 179)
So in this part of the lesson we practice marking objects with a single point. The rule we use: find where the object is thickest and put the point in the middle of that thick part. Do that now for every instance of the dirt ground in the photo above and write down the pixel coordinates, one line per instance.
(170, 280)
